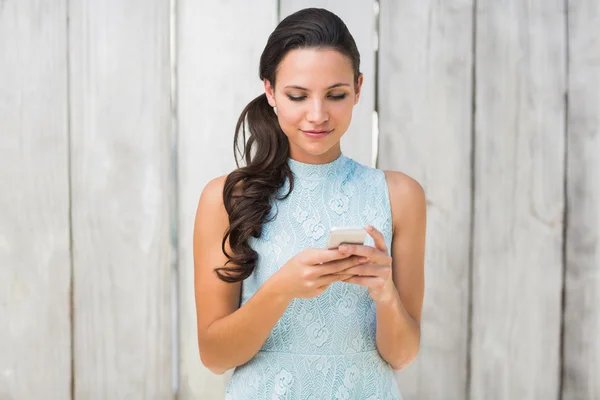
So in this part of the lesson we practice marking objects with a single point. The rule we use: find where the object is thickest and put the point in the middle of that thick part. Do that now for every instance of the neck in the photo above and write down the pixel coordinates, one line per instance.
(317, 171)
(307, 158)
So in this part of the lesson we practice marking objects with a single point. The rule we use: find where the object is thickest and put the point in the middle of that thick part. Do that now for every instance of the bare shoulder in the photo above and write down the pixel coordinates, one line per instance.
(215, 298)
(407, 197)
(404, 188)
(212, 220)
(211, 197)
(210, 225)
(212, 194)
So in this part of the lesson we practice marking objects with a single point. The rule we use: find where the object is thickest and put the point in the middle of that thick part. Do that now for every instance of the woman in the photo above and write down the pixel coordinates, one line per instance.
(297, 320)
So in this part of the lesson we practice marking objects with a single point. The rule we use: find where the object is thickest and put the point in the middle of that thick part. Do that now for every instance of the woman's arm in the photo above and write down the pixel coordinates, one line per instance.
(399, 314)
(395, 281)
(228, 335)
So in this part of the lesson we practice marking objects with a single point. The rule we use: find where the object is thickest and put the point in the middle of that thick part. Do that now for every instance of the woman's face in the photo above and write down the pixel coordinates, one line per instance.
(314, 94)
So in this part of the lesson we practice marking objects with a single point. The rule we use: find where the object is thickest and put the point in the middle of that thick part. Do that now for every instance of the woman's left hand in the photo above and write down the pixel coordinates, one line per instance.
(376, 274)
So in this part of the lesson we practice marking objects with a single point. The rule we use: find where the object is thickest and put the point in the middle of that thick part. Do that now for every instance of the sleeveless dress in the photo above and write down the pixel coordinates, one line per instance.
(323, 347)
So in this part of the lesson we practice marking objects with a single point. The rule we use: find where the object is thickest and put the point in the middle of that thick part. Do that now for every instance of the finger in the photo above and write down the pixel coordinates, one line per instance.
(327, 280)
(376, 256)
(340, 265)
(378, 238)
(320, 256)
(381, 271)
(367, 281)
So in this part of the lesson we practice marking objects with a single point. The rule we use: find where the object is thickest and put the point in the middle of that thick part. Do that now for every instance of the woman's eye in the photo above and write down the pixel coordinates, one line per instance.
(333, 97)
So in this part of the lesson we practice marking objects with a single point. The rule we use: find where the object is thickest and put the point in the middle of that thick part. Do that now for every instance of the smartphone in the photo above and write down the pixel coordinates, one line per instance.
(351, 235)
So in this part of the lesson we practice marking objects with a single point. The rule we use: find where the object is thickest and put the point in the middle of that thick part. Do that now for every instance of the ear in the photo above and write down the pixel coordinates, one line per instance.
(358, 88)
(270, 92)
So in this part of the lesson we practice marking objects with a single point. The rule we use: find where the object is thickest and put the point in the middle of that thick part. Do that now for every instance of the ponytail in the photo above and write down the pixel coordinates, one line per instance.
(248, 190)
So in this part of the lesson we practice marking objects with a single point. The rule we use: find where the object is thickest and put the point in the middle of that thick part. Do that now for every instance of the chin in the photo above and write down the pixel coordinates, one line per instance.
(317, 150)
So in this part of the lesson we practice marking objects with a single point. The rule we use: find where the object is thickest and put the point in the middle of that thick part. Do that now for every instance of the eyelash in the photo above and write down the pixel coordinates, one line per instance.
(336, 98)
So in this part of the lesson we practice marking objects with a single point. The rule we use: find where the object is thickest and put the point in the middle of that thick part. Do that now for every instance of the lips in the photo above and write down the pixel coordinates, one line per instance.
(317, 134)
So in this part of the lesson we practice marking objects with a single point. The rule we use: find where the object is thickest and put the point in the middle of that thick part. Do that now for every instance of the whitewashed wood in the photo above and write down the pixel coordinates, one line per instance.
(358, 15)
(425, 131)
(35, 328)
(121, 173)
(519, 199)
(581, 372)
(219, 47)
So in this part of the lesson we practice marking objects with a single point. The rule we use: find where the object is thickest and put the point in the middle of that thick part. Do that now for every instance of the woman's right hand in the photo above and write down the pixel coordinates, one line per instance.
(310, 272)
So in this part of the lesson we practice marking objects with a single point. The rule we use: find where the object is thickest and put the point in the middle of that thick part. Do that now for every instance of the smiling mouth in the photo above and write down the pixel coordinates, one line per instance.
(317, 132)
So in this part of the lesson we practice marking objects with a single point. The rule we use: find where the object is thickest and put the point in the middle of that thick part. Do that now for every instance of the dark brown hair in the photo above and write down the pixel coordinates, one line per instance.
(248, 190)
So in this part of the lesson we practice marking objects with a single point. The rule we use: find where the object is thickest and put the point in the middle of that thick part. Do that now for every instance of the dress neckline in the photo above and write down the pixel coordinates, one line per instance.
(317, 171)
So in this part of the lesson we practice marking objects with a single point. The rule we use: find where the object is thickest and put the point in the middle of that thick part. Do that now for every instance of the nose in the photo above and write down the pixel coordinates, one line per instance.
(317, 114)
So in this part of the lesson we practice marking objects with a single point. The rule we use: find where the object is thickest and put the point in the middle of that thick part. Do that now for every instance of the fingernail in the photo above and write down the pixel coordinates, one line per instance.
(343, 248)
(363, 260)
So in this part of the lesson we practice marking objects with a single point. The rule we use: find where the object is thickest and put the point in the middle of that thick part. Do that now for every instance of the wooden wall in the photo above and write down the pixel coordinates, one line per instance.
(217, 62)
(581, 333)
(120, 122)
(425, 117)
(113, 117)
(35, 256)
(519, 168)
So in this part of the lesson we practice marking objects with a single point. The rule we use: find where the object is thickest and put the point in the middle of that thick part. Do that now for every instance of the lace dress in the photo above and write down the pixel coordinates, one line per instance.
(323, 347)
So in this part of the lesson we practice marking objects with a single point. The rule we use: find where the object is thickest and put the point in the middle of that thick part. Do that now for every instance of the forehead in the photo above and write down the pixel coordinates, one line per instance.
(314, 68)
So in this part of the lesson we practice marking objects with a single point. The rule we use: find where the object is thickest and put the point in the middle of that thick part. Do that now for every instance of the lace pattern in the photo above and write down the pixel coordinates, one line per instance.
(323, 347)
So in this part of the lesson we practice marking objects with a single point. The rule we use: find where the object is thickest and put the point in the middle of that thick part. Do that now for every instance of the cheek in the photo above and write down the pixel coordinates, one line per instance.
(341, 113)
(343, 109)
(290, 117)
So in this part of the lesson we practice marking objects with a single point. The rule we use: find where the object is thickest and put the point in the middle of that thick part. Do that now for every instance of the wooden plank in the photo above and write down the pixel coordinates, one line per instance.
(519, 199)
(582, 280)
(425, 63)
(357, 143)
(121, 174)
(35, 272)
(217, 77)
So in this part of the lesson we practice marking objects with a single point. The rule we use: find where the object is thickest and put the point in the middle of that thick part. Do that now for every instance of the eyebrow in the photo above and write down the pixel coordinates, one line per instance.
(330, 87)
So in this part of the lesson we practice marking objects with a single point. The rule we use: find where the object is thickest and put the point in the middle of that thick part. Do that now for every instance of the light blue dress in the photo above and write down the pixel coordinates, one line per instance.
(323, 347)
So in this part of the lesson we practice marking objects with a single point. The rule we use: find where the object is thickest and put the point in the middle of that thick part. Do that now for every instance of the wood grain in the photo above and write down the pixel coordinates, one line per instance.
(519, 199)
(121, 173)
(582, 279)
(425, 112)
(218, 51)
(35, 271)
